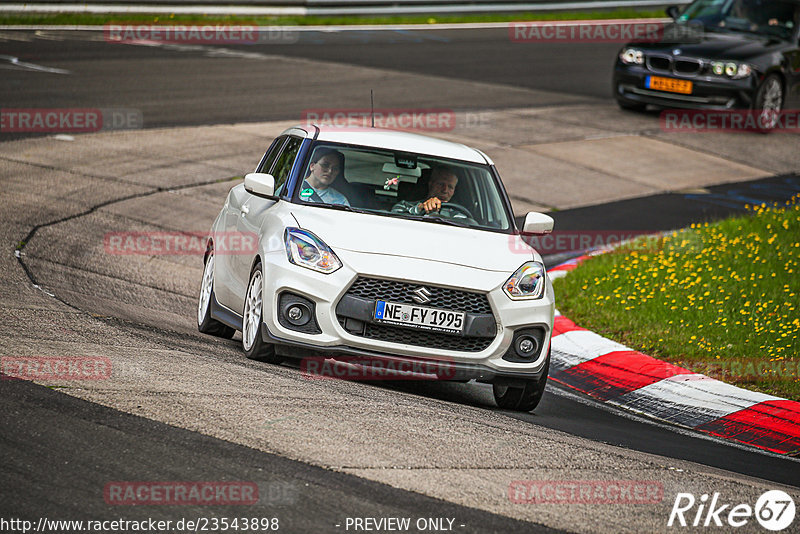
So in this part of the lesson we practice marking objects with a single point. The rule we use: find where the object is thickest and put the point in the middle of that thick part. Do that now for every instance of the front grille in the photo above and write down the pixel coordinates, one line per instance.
(401, 292)
(687, 66)
(423, 338)
(659, 63)
(372, 289)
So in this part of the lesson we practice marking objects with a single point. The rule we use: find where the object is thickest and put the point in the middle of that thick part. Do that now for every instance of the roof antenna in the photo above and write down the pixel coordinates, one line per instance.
(372, 108)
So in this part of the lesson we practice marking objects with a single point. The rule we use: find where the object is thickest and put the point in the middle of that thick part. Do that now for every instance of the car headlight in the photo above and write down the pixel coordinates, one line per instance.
(632, 56)
(307, 250)
(527, 282)
(731, 69)
(743, 71)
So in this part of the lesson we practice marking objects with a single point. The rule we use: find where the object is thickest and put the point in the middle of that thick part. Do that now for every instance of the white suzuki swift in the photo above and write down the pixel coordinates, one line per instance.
(393, 248)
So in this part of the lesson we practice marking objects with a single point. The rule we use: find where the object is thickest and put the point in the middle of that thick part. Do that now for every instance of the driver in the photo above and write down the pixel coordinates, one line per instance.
(441, 187)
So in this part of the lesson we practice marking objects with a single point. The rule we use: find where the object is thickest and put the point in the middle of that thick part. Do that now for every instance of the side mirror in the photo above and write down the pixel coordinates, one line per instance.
(673, 12)
(260, 183)
(537, 223)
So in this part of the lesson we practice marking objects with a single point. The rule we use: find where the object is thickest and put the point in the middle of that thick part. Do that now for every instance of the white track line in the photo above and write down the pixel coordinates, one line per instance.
(32, 66)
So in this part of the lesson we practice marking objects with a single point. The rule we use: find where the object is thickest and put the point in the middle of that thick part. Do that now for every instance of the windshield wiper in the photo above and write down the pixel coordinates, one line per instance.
(740, 29)
(435, 219)
(443, 220)
(342, 207)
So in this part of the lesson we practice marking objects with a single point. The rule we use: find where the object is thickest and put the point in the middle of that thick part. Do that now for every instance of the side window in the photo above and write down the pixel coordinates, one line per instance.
(283, 165)
(272, 153)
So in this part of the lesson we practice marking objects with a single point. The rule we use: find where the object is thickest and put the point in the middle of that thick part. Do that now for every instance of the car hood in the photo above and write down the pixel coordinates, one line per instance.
(394, 236)
(733, 46)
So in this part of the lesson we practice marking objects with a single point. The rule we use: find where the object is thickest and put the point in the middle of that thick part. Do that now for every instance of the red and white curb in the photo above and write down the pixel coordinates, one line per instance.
(615, 374)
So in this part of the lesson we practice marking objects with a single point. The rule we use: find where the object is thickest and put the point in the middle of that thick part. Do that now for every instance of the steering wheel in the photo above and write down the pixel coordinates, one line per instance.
(457, 207)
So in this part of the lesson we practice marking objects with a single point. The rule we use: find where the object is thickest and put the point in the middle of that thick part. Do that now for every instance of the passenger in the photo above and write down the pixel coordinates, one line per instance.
(441, 187)
(325, 167)
(744, 11)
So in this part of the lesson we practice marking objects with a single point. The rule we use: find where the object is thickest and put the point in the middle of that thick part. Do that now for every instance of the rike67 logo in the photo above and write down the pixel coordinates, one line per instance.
(774, 510)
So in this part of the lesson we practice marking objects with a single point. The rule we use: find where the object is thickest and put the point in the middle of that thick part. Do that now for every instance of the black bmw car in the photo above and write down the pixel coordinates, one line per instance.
(739, 54)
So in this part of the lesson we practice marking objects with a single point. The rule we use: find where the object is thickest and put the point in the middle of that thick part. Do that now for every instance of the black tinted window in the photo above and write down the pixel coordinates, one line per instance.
(272, 153)
(283, 165)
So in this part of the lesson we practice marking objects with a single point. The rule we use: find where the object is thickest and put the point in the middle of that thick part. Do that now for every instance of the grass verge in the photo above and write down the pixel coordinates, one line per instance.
(124, 18)
(719, 299)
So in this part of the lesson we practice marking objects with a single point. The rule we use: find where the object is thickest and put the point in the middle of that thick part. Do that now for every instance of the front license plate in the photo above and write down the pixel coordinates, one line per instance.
(419, 317)
(669, 84)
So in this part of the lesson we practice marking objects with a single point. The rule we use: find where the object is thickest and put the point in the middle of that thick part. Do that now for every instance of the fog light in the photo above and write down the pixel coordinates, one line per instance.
(297, 314)
(527, 346)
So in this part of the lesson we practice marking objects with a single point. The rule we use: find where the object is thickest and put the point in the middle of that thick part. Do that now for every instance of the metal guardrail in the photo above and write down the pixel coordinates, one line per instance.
(325, 7)
(486, 7)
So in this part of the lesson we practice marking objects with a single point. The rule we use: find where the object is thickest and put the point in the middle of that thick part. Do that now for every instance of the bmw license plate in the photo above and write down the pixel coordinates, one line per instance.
(419, 317)
(669, 84)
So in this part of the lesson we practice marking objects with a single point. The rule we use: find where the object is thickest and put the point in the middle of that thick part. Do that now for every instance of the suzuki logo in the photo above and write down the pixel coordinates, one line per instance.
(421, 295)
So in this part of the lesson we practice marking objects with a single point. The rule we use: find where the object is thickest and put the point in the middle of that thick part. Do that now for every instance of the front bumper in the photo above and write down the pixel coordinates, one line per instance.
(396, 365)
(327, 292)
(708, 92)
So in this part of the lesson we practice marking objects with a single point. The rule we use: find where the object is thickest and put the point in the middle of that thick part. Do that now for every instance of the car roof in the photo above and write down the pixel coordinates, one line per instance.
(391, 139)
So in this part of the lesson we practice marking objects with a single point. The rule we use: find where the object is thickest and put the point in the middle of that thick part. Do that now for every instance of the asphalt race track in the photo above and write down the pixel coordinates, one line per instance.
(182, 406)
(173, 85)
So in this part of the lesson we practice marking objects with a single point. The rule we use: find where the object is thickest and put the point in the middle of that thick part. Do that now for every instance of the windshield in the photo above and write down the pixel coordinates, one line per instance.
(772, 18)
(400, 184)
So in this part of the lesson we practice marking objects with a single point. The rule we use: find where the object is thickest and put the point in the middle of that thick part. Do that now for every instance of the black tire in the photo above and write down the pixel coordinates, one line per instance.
(205, 323)
(522, 398)
(252, 316)
(768, 102)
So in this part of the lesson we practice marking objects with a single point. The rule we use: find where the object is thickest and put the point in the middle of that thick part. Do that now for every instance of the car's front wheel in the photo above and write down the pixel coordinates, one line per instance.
(205, 323)
(523, 397)
(768, 102)
(254, 346)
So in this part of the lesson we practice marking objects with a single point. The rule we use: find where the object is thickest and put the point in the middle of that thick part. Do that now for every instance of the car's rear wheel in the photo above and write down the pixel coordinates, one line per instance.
(524, 397)
(205, 323)
(769, 102)
(254, 346)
